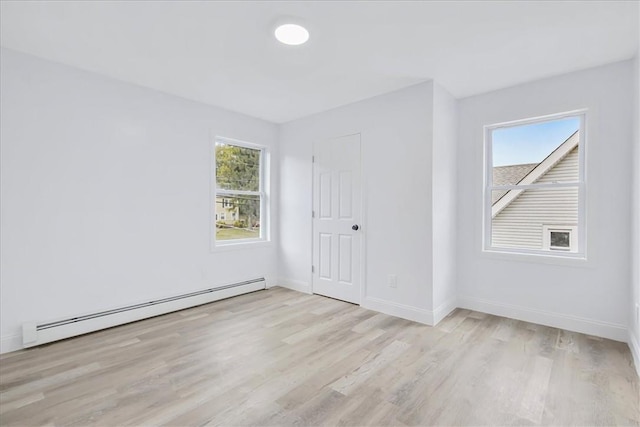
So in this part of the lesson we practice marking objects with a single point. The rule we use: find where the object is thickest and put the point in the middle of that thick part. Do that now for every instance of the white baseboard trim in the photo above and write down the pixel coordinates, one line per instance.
(9, 343)
(408, 312)
(295, 285)
(583, 325)
(634, 346)
(443, 310)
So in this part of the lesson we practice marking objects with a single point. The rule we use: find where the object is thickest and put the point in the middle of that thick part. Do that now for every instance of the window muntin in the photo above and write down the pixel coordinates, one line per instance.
(534, 176)
(240, 197)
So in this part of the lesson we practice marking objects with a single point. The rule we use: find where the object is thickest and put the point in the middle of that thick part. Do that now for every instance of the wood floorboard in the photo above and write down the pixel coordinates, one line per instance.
(281, 358)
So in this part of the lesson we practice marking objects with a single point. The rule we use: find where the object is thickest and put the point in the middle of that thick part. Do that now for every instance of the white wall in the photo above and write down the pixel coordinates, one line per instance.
(634, 315)
(396, 134)
(444, 166)
(97, 173)
(105, 194)
(582, 296)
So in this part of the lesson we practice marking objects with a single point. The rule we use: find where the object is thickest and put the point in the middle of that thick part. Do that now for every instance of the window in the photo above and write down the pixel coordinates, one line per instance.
(240, 197)
(535, 186)
(560, 238)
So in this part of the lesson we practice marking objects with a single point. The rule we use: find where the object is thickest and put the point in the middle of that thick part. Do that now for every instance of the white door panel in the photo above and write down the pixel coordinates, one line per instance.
(337, 209)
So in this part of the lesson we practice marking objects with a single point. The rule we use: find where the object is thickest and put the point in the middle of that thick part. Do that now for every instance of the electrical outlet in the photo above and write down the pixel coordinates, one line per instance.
(392, 281)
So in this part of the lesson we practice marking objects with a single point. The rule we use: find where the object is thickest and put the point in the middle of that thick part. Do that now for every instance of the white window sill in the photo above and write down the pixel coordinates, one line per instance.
(240, 245)
(574, 260)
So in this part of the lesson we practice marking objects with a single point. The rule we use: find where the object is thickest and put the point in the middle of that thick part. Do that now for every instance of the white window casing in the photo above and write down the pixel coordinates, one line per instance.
(262, 194)
(551, 180)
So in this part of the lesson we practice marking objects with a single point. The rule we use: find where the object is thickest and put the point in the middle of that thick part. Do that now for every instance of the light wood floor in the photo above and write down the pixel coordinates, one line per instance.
(279, 357)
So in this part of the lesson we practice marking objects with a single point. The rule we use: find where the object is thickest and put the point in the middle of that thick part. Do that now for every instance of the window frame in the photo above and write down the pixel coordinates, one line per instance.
(581, 185)
(262, 193)
(547, 229)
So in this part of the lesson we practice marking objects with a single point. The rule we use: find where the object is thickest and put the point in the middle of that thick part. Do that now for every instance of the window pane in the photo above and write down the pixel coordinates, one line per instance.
(536, 153)
(538, 219)
(237, 168)
(560, 239)
(238, 217)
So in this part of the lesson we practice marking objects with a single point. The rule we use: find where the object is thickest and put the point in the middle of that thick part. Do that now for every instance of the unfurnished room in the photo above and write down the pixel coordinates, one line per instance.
(319, 213)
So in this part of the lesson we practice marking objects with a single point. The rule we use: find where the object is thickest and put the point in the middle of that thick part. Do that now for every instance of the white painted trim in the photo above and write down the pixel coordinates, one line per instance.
(294, 285)
(312, 195)
(583, 325)
(538, 119)
(443, 310)
(237, 142)
(9, 343)
(264, 192)
(242, 244)
(634, 346)
(491, 210)
(363, 224)
(538, 257)
(408, 312)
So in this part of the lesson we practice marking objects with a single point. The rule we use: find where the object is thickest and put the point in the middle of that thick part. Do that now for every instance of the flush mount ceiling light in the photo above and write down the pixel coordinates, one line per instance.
(292, 34)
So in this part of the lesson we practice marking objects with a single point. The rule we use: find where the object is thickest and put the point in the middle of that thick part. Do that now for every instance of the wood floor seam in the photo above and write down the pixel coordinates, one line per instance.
(282, 358)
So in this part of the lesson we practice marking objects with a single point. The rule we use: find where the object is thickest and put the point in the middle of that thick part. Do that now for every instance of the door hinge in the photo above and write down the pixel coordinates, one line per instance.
(313, 269)
(313, 159)
(313, 214)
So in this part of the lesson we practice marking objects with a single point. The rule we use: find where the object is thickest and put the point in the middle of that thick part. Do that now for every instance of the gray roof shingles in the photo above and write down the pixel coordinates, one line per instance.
(508, 175)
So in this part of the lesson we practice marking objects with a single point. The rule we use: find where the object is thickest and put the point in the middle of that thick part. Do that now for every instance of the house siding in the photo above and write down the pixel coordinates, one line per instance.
(521, 223)
(231, 214)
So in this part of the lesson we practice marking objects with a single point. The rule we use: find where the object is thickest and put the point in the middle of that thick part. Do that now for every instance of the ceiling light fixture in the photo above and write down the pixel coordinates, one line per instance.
(292, 34)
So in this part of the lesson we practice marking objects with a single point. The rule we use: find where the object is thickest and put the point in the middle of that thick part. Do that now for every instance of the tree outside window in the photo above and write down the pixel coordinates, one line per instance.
(239, 193)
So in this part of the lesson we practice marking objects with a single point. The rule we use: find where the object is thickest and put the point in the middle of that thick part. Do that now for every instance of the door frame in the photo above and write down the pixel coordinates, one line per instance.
(363, 219)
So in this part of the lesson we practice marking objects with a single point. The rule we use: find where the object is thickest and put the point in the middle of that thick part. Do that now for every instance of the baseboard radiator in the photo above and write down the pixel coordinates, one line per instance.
(36, 333)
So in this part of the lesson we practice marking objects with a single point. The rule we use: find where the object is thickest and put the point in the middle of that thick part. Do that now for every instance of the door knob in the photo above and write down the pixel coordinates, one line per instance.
(355, 227)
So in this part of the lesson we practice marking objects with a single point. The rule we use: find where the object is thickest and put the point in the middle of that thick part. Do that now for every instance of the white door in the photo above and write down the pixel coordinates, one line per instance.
(336, 219)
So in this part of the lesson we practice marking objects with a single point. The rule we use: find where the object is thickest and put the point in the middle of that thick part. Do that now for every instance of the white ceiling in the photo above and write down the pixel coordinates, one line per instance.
(224, 54)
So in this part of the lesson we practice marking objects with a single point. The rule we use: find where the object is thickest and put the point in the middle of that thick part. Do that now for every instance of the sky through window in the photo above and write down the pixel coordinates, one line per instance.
(530, 143)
